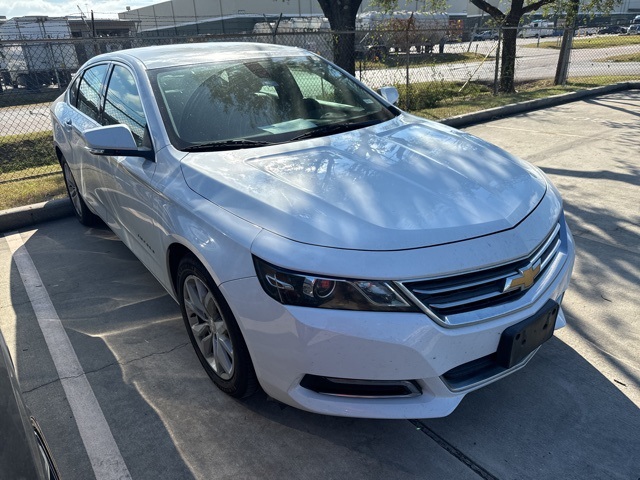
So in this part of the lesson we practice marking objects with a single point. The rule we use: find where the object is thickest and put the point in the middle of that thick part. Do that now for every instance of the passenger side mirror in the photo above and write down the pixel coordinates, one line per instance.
(390, 94)
(115, 140)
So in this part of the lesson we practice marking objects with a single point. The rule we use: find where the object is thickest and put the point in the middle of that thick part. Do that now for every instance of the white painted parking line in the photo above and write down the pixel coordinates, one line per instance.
(103, 452)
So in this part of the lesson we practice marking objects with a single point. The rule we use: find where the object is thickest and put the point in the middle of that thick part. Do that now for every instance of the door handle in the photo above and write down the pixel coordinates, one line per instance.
(68, 124)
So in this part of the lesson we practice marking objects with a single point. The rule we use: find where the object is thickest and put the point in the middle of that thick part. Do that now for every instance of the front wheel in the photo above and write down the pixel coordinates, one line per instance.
(84, 215)
(213, 331)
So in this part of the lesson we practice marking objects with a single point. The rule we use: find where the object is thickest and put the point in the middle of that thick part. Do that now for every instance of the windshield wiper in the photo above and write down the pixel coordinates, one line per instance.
(227, 145)
(324, 130)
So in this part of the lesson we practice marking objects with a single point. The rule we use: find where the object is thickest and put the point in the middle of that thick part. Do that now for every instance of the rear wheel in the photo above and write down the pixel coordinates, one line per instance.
(84, 215)
(213, 331)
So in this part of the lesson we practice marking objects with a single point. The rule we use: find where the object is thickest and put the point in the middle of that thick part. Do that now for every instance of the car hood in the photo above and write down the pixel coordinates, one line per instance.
(403, 184)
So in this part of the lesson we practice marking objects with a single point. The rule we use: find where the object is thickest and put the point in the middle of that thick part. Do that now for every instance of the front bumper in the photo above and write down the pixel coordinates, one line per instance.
(286, 343)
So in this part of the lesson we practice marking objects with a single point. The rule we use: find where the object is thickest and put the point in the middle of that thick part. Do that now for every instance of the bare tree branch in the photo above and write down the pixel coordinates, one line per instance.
(532, 7)
(490, 9)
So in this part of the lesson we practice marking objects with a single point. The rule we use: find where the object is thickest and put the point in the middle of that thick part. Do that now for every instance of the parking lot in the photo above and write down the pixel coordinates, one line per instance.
(151, 411)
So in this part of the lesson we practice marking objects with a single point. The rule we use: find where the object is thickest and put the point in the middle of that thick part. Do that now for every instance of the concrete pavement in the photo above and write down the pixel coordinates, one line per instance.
(572, 413)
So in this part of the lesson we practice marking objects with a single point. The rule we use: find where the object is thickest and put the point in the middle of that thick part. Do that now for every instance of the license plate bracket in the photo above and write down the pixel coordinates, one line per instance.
(519, 340)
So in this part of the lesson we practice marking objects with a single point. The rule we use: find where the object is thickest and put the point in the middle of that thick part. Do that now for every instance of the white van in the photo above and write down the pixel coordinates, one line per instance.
(537, 29)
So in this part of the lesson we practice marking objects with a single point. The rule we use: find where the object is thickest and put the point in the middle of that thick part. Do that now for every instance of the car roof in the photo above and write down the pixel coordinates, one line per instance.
(192, 53)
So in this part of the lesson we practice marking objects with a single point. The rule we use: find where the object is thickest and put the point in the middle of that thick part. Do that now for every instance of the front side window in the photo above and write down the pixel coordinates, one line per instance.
(253, 102)
(122, 104)
(89, 97)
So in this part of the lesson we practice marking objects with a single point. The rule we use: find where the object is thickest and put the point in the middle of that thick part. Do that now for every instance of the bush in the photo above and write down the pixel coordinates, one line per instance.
(421, 96)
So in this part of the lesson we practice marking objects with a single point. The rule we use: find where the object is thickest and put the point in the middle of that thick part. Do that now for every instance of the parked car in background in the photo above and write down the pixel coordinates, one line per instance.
(633, 29)
(486, 35)
(615, 29)
(24, 453)
(346, 256)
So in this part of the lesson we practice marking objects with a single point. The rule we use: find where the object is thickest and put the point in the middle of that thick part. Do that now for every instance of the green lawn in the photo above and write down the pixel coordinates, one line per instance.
(400, 61)
(29, 150)
(592, 42)
(32, 190)
(29, 170)
(477, 97)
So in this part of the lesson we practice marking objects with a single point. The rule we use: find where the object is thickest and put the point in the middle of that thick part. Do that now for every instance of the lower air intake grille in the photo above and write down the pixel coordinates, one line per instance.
(344, 387)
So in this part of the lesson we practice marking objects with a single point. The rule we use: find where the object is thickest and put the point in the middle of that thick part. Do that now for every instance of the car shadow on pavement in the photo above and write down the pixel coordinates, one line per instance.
(559, 417)
(114, 318)
(619, 103)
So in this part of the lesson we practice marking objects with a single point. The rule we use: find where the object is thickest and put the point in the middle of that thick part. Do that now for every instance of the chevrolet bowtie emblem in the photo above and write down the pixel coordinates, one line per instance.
(524, 279)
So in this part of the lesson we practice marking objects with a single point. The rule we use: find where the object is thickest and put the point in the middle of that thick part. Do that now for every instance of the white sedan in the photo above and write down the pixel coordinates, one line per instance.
(345, 256)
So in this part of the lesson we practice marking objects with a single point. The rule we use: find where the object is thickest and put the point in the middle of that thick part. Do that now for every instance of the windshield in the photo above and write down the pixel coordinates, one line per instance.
(256, 102)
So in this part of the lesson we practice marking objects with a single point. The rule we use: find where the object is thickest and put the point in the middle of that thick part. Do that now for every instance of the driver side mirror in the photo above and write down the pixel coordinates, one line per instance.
(115, 140)
(390, 94)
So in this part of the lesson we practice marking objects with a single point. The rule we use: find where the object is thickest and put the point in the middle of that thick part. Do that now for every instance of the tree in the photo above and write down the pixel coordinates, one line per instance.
(509, 21)
(342, 18)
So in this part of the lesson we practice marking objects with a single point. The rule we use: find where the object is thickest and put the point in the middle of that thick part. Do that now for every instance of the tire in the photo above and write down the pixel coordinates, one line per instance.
(83, 214)
(213, 331)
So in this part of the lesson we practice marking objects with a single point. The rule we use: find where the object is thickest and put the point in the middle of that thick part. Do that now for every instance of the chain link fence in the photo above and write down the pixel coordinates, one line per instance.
(432, 69)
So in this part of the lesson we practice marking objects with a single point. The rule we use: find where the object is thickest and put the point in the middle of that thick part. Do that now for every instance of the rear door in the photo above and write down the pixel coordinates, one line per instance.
(86, 114)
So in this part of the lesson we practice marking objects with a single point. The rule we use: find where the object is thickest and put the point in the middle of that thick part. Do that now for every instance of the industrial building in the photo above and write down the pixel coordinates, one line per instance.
(196, 17)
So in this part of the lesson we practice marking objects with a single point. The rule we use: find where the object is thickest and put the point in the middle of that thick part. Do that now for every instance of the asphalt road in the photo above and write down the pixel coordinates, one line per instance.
(24, 119)
(531, 64)
(572, 413)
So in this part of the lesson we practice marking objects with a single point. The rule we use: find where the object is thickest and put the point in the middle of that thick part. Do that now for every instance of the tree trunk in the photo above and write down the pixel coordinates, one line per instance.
(508, 67)
(342, 18)
(344, 51)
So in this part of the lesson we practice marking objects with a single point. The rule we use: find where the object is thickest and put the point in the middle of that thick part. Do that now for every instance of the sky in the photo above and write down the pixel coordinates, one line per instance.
(61, 8)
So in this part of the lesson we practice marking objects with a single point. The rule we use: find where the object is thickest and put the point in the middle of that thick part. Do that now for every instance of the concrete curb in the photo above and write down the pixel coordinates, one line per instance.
(522, 107)
(21, 217)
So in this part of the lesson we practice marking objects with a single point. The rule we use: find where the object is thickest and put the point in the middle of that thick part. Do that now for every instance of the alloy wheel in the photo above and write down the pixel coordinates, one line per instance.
(72, 188)
(208, 326)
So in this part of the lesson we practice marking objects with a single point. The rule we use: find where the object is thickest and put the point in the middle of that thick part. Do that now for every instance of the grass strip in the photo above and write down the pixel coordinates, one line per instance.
(591, 42)
(29, 191)
(29, 150)
(422, 60)
(447, 101)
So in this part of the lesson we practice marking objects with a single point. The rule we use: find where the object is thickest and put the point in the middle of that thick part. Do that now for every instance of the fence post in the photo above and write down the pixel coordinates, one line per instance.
(562, 72)
(407, 50)
(497, 69)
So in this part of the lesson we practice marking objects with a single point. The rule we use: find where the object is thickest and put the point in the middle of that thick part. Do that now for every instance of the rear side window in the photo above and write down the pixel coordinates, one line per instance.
(73, 91)
(123, 105)
(89, 91)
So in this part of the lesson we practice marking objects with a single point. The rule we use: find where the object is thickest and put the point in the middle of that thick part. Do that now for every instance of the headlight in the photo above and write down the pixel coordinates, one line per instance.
(293, 288)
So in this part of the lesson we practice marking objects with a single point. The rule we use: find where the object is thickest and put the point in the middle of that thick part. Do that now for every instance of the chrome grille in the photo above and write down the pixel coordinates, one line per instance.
(476, 290)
